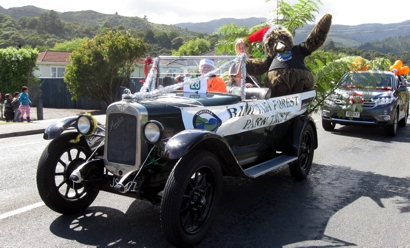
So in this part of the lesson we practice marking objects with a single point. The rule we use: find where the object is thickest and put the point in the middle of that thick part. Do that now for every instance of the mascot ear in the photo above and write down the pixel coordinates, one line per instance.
(257, 36)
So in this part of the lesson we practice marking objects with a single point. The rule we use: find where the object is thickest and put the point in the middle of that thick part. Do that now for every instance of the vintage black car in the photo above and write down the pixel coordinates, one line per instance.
(368, 98)
(172, 147)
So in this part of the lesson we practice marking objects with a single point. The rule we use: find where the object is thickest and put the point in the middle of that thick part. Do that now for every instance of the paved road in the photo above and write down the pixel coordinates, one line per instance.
(358, 194)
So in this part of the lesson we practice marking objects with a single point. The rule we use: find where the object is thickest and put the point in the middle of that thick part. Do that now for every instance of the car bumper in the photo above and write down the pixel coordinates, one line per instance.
(380, 115)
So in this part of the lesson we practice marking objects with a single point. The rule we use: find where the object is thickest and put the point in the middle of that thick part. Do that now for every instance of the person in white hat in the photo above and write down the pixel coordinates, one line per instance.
(214, 83)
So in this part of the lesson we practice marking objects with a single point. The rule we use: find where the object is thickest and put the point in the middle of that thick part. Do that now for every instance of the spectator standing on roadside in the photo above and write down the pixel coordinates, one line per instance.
(8, 108)
(1, 107)
(24, 103)
(16, 105)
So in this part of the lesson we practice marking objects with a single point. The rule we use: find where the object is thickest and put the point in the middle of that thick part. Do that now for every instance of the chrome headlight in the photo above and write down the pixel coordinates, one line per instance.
(153, 131)
(85, 124)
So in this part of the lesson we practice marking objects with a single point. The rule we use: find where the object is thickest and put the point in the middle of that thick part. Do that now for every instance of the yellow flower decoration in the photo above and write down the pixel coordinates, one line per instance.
(359, 65)
(94, 127)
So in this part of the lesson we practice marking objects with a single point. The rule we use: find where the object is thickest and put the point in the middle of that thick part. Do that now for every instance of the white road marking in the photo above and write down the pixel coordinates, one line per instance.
(21, 210)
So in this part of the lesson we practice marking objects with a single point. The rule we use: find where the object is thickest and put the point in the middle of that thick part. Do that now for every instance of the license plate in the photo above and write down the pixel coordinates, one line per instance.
(352, 114)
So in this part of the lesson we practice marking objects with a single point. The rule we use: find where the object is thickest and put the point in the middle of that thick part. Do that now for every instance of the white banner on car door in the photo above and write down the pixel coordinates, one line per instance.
(245, 116)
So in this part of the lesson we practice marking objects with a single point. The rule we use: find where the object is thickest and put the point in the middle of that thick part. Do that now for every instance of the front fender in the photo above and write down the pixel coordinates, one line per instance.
(183, 142)
(188, 140)
(55, 129)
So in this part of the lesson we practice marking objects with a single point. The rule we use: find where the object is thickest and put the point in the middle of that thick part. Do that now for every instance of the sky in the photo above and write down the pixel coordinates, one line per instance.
(346, 12)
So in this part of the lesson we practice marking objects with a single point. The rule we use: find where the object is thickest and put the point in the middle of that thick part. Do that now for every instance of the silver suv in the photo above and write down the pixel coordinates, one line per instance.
(373, 98)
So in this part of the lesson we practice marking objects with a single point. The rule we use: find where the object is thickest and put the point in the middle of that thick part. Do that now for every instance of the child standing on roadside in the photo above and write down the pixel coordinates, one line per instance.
(24, 103)
(16, 105)
(8, 108)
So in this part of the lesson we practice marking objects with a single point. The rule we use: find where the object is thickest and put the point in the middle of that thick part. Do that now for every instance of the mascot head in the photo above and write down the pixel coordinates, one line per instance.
(274, 39)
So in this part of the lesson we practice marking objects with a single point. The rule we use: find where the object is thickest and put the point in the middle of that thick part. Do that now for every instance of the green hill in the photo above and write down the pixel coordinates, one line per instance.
(36, 27)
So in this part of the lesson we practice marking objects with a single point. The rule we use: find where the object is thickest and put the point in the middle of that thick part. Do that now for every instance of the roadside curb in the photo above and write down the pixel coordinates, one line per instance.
(21, 133)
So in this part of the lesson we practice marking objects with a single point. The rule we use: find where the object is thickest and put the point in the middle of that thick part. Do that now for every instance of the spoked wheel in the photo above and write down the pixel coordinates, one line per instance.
(58, 161)
(300, 168)
(191, 197)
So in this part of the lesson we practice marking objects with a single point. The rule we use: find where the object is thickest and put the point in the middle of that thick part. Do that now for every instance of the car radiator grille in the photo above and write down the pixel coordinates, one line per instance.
(122, 138)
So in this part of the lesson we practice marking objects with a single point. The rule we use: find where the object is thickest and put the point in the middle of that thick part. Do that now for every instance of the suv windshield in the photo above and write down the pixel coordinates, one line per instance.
(367, 80)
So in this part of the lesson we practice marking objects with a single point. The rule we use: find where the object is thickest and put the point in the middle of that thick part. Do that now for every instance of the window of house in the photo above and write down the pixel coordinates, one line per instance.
(57, 72)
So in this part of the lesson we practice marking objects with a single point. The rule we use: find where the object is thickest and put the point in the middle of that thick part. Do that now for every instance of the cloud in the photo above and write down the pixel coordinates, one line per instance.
(347, 12)
(196, 11)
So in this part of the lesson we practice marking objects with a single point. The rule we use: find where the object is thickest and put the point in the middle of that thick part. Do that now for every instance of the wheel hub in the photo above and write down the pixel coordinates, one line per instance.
(198, 200)
(69, 169)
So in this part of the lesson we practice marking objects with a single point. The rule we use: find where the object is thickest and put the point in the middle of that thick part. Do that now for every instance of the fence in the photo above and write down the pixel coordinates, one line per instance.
(54, 94)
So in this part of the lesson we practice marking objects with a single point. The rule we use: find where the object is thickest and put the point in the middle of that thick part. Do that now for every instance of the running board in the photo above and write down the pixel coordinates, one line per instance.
(270, 165)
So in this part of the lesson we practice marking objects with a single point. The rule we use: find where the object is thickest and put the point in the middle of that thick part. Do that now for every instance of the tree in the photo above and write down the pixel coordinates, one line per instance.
(150, 37)
(50, 22)
(193, 47)
(228, 34)
(17, 67)
(23, 21)
(177, 43)
(101, 65)
(32, 23)
(290, 16)
(163, 40)
(172, 35)
(295, 16)
(69, 46)
(105, 28)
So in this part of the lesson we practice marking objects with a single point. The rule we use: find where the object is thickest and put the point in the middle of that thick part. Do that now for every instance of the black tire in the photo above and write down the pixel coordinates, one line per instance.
(59, 159)
(191, 198)
(403, 122)
(391, 129)
(300, 168)
(328, 125)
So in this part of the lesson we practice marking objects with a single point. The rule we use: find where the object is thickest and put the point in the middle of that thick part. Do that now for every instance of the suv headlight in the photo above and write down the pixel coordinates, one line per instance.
(383, 100)
(86, 124)
(153, 131)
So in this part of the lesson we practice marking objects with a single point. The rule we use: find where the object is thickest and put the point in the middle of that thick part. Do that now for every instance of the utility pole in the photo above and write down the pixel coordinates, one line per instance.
(278, 8)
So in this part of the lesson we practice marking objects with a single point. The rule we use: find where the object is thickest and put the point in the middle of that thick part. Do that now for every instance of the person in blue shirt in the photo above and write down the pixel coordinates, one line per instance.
(24, 103)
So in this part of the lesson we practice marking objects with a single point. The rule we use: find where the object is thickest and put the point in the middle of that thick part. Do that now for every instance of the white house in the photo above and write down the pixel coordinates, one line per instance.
(51, 64)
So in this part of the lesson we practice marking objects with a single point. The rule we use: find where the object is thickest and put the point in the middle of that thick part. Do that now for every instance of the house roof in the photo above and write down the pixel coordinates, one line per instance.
(53, 56)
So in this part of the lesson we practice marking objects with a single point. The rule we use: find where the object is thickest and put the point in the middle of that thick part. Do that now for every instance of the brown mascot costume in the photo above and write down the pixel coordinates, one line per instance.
(287, 72)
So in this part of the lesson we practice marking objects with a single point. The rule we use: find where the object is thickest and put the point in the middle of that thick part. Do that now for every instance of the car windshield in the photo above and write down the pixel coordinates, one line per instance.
(367, 80)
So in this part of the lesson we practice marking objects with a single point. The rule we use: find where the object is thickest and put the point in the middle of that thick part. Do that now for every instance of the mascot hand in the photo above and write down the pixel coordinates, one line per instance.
(319, 34)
